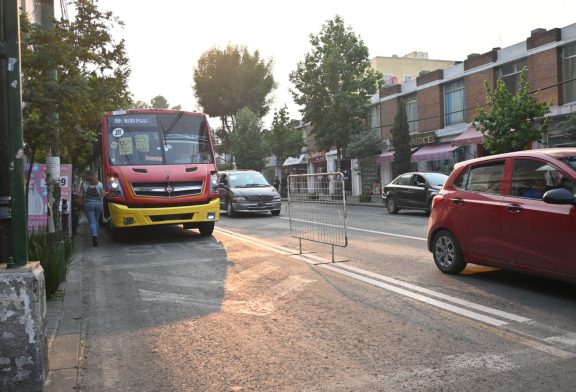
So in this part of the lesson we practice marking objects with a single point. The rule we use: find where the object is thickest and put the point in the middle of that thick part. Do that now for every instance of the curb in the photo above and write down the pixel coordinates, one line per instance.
(64, 323)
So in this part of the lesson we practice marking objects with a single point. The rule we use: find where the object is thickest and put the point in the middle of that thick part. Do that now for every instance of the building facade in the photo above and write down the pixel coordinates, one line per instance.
(400, 69)
(441, 104)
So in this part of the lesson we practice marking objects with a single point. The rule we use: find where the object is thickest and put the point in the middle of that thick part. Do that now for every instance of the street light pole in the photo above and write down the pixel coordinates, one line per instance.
(12, 198)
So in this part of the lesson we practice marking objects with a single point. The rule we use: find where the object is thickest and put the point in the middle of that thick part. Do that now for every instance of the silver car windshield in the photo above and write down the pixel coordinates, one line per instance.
(247, 180)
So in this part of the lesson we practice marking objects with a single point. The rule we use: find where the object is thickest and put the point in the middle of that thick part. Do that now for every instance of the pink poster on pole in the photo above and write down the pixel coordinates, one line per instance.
(38, 194)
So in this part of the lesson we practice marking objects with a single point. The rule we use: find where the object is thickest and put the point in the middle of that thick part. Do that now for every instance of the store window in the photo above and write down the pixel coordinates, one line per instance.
(454, 102)
(412, 113)
(510, 75)
(569, 73)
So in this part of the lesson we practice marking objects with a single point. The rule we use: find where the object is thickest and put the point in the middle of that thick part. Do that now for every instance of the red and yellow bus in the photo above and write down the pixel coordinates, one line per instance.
(158, 169)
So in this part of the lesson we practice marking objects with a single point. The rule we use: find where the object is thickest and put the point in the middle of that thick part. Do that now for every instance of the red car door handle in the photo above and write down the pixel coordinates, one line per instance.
(514, 207)
(457, 201)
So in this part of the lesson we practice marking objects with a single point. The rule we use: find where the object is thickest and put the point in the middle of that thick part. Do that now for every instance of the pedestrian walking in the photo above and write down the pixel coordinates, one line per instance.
(276, 183)
(91, 192)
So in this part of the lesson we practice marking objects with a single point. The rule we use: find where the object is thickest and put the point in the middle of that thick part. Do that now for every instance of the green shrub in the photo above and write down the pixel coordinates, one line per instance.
(46, 248)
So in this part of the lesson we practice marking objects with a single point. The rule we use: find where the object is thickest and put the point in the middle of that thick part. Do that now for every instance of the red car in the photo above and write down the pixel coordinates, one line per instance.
(514, 211)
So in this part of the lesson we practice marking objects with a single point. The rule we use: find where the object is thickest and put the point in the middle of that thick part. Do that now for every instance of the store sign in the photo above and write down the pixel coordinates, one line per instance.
(423, 138)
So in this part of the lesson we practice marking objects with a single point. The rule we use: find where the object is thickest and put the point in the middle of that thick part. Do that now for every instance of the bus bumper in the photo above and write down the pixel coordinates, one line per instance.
(123, 216)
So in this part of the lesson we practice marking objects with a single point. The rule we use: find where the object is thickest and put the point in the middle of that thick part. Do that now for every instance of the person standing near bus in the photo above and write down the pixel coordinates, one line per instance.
(92, 193)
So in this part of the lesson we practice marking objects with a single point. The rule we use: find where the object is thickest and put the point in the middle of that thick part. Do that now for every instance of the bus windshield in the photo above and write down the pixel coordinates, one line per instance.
(158, 139)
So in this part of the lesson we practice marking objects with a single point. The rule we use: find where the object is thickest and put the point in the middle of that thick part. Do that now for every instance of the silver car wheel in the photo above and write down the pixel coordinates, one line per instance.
(444, 252)
(447, 254)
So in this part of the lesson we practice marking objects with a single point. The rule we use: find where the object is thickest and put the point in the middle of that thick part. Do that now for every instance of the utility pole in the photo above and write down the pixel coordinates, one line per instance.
(53, 158)
(13, 214)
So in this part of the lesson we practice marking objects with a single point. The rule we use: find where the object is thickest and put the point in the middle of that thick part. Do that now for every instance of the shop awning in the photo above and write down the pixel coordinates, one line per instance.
(434, 152)
(469, 136)
(295, 161)
(386, 156)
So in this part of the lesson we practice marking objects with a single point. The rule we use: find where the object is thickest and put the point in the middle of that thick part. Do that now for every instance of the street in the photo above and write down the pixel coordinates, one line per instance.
(168, 310)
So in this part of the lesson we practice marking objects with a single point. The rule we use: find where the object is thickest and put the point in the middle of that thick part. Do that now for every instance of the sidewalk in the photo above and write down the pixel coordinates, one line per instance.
(63, 326)
(354, 201)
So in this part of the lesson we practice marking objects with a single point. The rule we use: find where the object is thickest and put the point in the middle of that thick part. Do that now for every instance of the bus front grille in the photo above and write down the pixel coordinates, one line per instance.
(167, 189)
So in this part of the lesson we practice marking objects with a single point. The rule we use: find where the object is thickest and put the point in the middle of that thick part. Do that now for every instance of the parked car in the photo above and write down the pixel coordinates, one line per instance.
(247, 191)
(413, 191)
(514, 211)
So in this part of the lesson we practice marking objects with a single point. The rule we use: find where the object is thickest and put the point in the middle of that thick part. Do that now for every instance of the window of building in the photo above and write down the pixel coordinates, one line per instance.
(407, 78)
(569, 73)
(412, 113)
(390, 80)
(510, 75)
(454, 102)
(375, 118)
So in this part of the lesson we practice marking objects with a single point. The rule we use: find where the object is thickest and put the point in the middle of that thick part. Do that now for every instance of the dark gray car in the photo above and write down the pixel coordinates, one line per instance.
(412, 191)
(247, 191)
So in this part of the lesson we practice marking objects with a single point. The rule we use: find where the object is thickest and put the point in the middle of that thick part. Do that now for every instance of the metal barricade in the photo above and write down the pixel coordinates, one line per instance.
(317, 208)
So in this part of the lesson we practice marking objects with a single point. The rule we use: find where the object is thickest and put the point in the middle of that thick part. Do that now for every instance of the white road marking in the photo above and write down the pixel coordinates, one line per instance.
(150, 264)
(249, 275)
(404, 289)
(566, 340)
(433, 293)
(175, 280)
(418, 297)
(374, 231)
(266, 303)
(182, 299)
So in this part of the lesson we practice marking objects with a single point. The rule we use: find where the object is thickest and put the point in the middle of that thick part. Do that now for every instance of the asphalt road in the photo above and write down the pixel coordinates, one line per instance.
(244, 310)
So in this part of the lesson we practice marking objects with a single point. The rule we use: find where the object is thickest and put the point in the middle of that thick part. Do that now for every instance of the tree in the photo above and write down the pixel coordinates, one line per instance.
(283, 140)
(511, 122)
(140, 105)
(92, 78)
(401, 140)
(247, 143)
(332, 85)
(159, 102)
(228, 80)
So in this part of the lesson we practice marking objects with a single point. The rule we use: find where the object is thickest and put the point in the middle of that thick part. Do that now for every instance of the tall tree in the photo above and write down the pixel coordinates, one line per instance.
(511, 122)
(247, 142)
(333, 84)
(92, 73)
(228, 80)
(401, 140)
(283, 140)
(159, 102)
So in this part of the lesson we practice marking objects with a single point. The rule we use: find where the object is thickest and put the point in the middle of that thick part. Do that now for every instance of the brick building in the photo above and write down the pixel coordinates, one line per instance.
(441, 104)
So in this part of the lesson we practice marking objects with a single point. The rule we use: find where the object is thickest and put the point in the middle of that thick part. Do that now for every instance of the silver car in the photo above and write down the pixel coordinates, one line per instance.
(247, 191)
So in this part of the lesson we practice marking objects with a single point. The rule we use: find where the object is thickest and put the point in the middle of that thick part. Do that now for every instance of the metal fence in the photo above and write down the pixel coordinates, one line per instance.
(317, 208)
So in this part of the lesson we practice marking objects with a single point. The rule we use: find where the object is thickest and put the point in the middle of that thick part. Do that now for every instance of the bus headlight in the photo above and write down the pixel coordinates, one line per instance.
(214, 183)
(115, 187)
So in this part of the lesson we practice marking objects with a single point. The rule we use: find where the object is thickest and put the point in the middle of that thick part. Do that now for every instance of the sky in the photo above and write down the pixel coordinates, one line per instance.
(165, 39)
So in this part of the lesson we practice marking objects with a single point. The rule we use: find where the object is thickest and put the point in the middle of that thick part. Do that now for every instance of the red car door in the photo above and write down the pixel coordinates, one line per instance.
(474, 210)
(537, 235)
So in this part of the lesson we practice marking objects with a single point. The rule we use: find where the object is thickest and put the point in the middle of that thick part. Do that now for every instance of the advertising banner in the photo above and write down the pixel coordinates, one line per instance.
(38, 194)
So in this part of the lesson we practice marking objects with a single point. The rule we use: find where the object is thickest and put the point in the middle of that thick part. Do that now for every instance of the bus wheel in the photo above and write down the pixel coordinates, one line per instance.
(206, 228)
